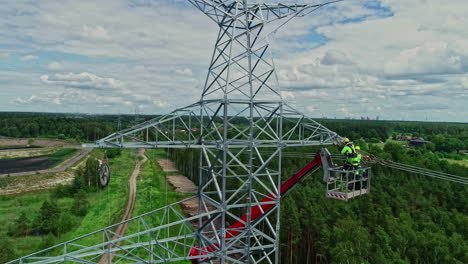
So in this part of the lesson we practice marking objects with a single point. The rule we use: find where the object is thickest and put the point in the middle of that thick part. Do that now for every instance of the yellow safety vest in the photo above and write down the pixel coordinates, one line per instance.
(357, 160)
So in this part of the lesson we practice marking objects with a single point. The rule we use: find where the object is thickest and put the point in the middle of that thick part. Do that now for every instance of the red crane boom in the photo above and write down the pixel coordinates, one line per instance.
(260, 210)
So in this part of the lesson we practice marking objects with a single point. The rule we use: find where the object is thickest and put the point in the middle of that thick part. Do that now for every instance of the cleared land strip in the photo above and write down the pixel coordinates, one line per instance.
(30, 181)
(62, 167)
(26, 152)
(183, 184)
(167, 165)
(43, 142)
(33, 183)
(121, 229)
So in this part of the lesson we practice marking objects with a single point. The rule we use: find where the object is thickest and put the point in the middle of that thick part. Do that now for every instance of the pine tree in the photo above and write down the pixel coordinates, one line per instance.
(48, 217)
(91, 173)
(22, 225)
(7, 251)
(80, 204)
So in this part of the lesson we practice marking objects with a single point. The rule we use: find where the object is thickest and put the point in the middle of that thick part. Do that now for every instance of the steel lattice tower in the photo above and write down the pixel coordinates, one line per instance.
(240, 126)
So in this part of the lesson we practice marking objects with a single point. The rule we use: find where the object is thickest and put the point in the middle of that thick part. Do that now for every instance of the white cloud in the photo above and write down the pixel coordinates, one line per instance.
(184, 71)
(68, 97)
(84, 80)
(55, 66)
(166, 32)
(333, 57)
(29, 58)
(156, 54)
(97, 33)
(30, 100)
(464, 82)
(419, 53)
(39, 99)
(436, 57)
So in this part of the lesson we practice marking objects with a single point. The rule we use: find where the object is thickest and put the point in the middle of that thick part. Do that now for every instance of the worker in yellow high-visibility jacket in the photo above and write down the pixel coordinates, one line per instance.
(356, 166)
(356, 160)
(350, 152)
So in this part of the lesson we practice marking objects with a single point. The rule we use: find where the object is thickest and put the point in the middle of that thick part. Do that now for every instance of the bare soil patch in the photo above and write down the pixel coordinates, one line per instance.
(25, 153)
(33, 183)
(182, 184)
(167, 165)
(43, 142)
(21, 182)
(190, 209)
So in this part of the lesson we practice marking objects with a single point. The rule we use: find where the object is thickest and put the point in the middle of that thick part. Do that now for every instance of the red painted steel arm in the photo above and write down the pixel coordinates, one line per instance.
(259, 210)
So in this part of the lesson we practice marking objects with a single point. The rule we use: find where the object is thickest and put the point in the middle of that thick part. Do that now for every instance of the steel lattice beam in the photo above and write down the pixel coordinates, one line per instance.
(200, 126)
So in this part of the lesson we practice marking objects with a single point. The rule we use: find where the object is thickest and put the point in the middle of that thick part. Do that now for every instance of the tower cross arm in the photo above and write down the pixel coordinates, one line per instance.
(220, 10)
(279, 10)
(176, 129)
(217, 10)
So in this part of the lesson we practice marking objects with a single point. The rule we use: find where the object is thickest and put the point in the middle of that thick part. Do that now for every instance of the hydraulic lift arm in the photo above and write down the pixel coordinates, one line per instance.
(266, 204)
(259, 210)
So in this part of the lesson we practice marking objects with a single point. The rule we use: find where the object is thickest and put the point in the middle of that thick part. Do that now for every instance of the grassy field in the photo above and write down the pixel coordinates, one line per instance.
(154, 192)
(60, 156)
(459, 162)
(12, 206)
(108, 205)
(381, 145)
(105, 207)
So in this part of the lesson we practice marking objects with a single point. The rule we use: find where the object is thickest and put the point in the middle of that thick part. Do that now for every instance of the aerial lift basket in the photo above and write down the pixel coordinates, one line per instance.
(344, 184)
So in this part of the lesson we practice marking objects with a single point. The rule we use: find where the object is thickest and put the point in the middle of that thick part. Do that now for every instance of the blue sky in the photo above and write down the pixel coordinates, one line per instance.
(396, 59)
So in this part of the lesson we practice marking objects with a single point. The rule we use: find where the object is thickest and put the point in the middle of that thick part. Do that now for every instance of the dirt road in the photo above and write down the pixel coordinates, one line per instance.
(120, 231)
(62, 167)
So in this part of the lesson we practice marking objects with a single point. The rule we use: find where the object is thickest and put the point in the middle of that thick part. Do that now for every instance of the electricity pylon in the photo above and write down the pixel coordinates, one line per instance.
(240, 126)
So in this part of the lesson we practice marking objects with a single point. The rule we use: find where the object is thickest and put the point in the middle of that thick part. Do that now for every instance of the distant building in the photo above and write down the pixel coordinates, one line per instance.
(402, 138)
(417, 141)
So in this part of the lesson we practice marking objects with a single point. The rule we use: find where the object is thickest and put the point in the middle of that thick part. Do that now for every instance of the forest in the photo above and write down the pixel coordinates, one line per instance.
(405, 219)
(78, 127)
(444, 137)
